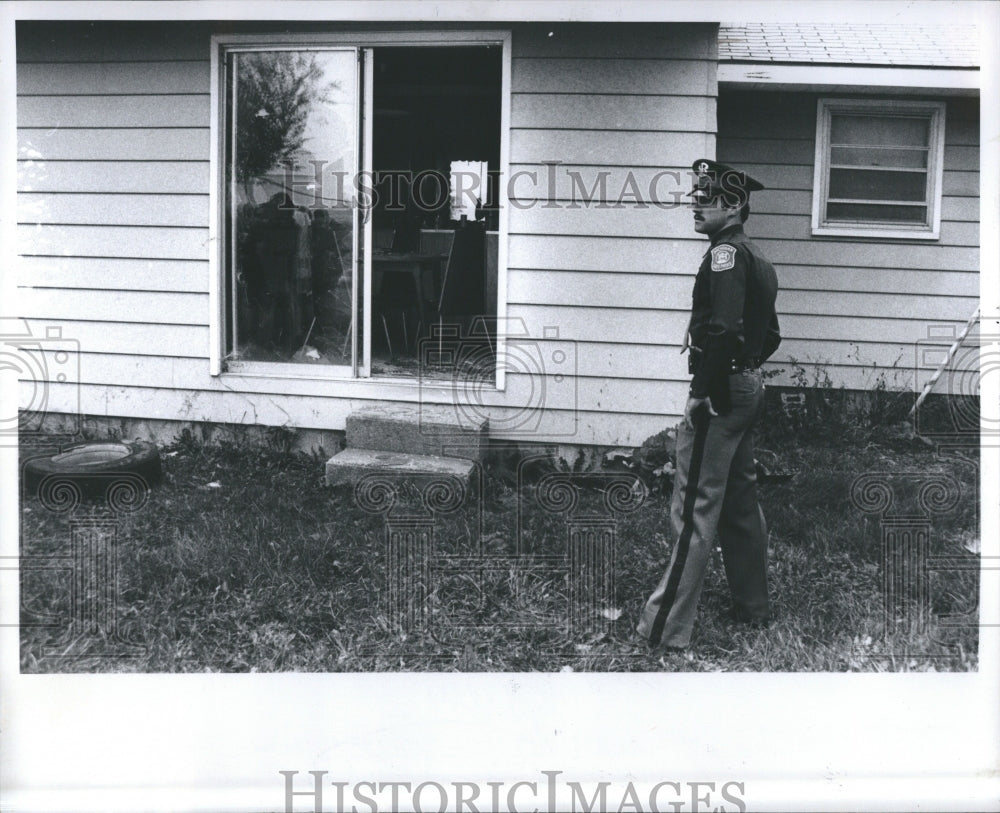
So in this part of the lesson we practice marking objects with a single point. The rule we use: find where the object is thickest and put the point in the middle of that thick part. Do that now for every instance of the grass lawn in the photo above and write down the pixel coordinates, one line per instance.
(243, 561)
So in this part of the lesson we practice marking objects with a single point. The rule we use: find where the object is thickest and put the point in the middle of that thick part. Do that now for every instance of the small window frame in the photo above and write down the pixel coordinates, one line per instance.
(826, 108)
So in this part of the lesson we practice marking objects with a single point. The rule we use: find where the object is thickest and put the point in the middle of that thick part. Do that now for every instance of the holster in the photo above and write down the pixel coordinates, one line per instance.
(694, 359)
(772, 338)
(719, 387)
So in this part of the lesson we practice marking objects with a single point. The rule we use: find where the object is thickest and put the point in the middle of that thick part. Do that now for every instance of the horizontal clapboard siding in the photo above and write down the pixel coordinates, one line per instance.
(837, 292)
(569, 425)
(622, 290)
(621, 148)
(612, 112)
(608, 393)
(646, 181)
(113, 274)
(100, 144)
(643, 77)
(804, 335)
(572, 426)
(523, 284)
(627, 219)
(104, 342)
(113, 178)
(599, 118)
(654, 327)
(596, 253)
(143, 242)
(114, 42)
(147, 339)
(189, 110)
(91, 209)
(149, 307)
(608, 221)
(149, 78)
(158, 178)
(151, 371)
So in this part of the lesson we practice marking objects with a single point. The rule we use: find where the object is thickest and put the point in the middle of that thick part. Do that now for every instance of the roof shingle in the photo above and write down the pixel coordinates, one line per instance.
(852, 44)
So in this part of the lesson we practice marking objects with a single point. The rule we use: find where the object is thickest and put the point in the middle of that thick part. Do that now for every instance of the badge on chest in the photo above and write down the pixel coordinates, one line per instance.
(723, 258)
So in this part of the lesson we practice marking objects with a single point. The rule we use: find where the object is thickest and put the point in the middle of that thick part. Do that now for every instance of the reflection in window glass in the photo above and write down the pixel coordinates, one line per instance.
(292, 127)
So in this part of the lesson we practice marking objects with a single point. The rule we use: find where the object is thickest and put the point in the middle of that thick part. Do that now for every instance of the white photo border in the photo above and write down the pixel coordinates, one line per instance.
(217, 742)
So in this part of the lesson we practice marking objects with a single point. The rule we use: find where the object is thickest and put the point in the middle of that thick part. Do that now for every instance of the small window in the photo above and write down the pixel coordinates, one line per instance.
(878, 168)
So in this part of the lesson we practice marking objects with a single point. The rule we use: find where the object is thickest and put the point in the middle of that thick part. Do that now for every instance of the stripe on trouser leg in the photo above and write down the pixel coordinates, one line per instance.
(687, 527)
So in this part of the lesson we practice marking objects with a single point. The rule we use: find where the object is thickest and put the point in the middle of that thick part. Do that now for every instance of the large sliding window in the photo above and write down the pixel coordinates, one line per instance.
(358, 198)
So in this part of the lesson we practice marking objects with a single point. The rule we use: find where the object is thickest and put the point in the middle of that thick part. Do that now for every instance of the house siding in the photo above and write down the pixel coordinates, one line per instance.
(854, 307)
(113, 213)
(632, 102)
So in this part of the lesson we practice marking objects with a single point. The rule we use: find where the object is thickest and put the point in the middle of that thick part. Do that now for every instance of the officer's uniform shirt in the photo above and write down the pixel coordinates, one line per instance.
(732, 314)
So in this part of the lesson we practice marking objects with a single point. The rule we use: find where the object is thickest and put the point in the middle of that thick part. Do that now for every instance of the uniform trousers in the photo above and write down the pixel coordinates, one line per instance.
(715, 492)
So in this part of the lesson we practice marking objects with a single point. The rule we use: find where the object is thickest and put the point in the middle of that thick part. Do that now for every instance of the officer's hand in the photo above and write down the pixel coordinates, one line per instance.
(693, 405)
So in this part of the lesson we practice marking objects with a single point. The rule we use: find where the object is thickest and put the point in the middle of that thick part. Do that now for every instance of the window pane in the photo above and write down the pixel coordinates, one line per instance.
(869, 184)
(293, 124)
(869, 213)
(878, 157)
(893, 131)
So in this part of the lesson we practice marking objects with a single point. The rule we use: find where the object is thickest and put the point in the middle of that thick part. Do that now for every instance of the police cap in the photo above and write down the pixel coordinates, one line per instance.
(712, 180)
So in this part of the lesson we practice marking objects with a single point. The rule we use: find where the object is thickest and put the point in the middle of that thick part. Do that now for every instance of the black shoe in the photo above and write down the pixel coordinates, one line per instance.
(638, 639)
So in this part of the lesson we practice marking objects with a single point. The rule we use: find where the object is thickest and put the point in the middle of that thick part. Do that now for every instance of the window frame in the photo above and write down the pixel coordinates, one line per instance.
(315, 379)
(826, 108)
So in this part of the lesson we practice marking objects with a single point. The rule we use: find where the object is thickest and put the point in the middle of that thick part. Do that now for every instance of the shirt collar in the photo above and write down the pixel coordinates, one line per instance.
(726, 233)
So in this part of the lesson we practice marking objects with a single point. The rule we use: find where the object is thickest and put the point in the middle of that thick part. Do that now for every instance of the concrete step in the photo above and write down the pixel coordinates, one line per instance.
(419, 429)
(350, 465)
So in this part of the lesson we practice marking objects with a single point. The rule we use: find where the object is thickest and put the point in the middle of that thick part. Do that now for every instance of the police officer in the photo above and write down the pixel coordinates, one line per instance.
(733, 329)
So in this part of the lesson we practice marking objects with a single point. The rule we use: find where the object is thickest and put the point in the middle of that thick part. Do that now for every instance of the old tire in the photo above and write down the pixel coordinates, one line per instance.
(91, 467)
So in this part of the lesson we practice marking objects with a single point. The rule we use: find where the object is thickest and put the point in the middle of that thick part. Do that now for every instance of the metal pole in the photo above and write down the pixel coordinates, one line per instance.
(937, 373)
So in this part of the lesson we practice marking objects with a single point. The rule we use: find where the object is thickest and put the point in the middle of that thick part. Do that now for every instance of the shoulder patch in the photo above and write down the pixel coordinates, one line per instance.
(723, 257)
